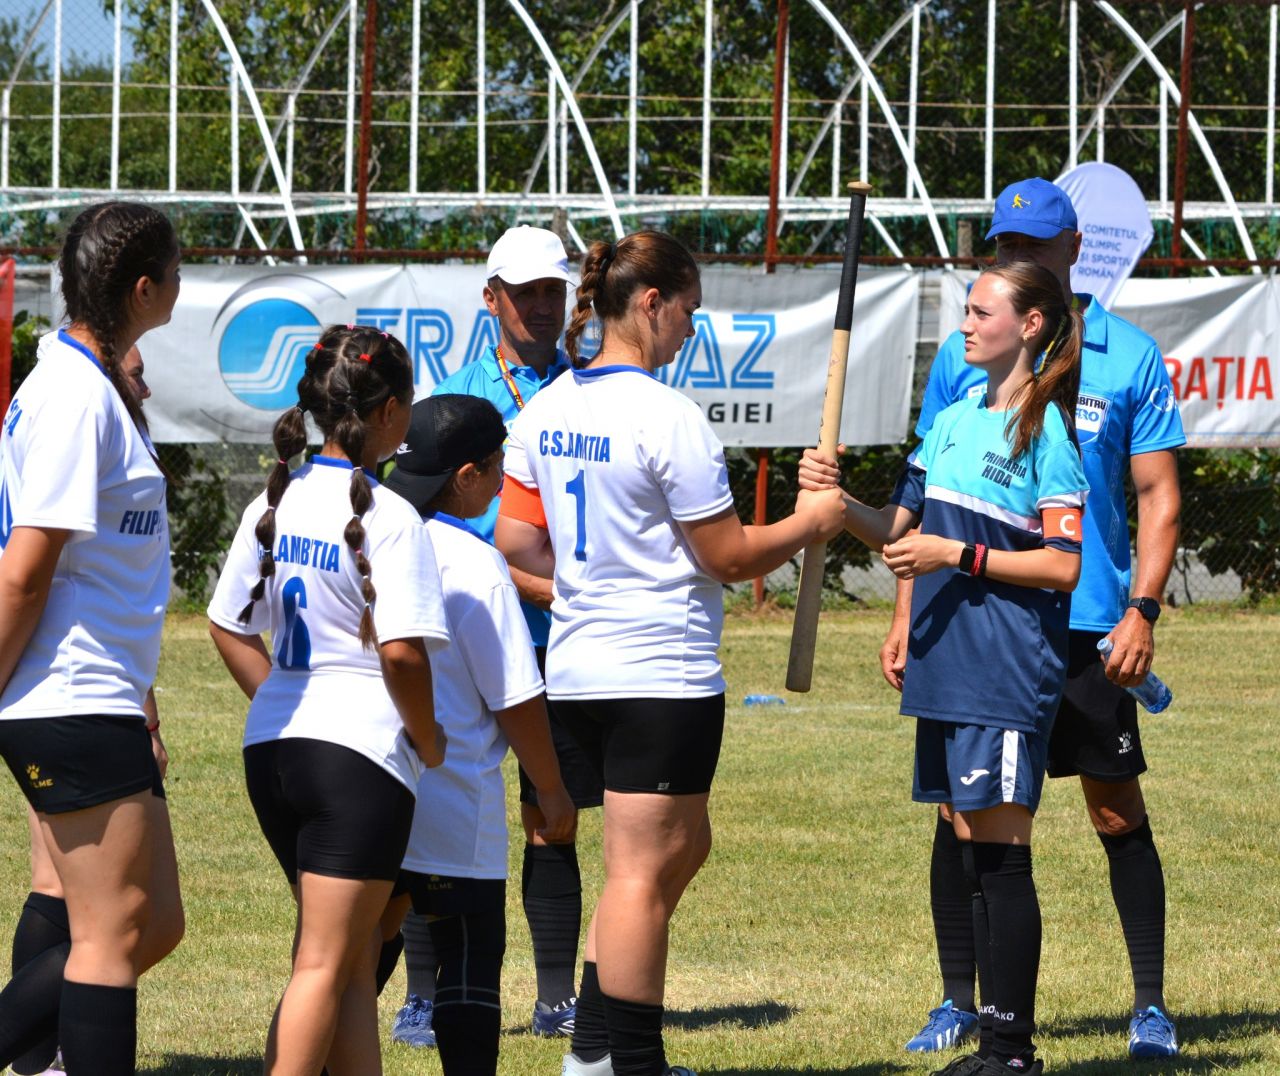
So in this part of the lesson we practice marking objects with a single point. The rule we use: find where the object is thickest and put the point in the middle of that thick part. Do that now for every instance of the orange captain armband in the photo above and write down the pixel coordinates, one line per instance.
(1063, 523)
(522, 503)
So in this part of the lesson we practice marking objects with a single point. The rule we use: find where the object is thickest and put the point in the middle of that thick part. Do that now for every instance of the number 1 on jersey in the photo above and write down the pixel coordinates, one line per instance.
(578, 487)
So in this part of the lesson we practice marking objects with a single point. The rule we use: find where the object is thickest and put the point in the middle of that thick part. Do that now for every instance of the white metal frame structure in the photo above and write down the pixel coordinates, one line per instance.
(266, 213)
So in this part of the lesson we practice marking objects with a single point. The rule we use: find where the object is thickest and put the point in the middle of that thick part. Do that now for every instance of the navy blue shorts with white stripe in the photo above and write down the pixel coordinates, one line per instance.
(973, 767)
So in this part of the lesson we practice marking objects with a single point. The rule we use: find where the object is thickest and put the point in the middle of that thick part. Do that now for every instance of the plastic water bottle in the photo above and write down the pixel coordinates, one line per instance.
(1153, 693)
(764, 700)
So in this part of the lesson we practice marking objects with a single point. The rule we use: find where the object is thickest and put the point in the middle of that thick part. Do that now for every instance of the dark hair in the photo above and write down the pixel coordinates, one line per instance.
(612, 272)
(108, 249)
(351, 371)
(1056, 377)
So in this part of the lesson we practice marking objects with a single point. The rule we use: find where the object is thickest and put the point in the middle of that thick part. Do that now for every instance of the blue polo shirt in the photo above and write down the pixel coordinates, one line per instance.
(1126, 407)
(981, 651)
(484, 378)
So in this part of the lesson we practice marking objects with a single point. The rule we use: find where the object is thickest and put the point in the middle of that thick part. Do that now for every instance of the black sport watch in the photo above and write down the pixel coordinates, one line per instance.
(1149, 608)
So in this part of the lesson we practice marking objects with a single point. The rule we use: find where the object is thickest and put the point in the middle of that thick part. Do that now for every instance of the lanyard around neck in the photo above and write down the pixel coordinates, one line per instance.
(507, 377)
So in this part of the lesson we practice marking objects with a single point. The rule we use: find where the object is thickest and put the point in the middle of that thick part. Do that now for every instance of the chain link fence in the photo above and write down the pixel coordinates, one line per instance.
(1236, 526)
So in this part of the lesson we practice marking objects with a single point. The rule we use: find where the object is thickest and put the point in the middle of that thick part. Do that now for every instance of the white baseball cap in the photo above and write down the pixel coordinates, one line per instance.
(523, 254)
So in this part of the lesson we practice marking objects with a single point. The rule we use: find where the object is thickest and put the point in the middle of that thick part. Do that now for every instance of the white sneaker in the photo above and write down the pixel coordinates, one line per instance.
(575, 1066)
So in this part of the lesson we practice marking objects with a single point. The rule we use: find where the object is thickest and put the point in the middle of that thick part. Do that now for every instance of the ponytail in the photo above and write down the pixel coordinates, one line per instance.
(612, 272)
(1056, 374)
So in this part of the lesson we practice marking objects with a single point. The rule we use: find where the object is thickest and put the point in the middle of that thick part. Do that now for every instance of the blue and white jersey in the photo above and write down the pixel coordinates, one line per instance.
(1126, 407)
(980, 651)
(619, 461)
(71, 459)
(484, 378)
(323, 684)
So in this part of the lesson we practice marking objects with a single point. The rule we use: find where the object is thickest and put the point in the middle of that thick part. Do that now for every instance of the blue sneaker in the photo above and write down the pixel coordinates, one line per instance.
(1152, 1034)
(946, 1027)
(555, 1021)
(413, 1023)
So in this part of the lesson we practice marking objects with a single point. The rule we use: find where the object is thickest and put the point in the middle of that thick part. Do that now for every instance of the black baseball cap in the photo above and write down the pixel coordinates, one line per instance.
(445, 432)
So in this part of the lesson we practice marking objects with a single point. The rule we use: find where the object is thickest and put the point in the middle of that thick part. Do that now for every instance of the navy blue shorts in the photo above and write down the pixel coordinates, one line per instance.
(973, 767)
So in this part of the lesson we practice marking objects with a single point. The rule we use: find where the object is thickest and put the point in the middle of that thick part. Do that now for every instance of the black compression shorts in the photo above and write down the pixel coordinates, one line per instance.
(327, 809)
(668, 746)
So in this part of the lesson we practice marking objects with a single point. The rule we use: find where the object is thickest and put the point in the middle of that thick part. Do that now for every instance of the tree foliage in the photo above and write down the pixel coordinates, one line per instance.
(276, 38)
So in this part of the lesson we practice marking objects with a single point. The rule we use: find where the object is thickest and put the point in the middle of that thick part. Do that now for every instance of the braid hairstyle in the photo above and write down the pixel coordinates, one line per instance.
(612, 272)
(1056, 378)
(351, 371)
(107, 250)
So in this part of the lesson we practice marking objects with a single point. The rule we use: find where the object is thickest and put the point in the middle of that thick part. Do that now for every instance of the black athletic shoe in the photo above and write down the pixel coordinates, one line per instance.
(968, 1065)
(973, 1065)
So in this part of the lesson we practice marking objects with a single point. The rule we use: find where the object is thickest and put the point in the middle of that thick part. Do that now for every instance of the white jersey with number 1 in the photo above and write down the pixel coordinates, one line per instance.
(619, 460)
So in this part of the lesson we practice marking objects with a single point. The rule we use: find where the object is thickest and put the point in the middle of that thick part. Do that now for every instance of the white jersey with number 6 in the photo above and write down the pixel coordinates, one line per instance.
(323, 684)
(619, 460)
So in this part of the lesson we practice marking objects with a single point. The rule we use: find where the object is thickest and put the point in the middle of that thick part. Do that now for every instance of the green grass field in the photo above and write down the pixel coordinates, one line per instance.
(805, 945)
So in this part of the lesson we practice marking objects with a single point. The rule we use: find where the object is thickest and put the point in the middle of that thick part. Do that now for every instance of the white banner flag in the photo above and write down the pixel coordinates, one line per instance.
(229, 361)
(1115, 228)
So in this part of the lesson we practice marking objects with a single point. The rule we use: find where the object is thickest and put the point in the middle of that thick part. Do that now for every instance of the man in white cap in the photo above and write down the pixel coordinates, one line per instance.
(526, 290)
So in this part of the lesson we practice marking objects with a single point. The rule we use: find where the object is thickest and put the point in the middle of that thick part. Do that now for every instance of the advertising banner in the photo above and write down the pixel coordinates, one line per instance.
(227, 364)
(1220, 339)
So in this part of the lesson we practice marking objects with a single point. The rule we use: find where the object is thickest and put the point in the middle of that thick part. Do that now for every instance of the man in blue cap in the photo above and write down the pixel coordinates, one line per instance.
(1127, 417)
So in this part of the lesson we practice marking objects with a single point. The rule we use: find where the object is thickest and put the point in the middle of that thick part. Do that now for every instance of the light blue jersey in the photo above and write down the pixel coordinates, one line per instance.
(484, 378)
(980, 651)
(1126, 407)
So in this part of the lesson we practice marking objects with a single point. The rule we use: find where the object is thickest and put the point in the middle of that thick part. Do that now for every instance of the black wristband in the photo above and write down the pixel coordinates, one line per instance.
(966, 559)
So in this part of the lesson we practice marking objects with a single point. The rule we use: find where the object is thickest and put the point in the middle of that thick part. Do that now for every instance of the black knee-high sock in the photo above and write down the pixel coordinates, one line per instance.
(467, 1018)
(98, 1029)
(1137, 885)
(951, 900)
(551, 886)
(591, 1024)
(981, 951)
(29, 1004)
(419, 957)
(635, 1038)
(388, 958)
(1013, 927)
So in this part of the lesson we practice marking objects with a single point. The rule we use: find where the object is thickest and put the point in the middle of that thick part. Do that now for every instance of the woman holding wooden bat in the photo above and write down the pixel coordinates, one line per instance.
(617, 484)
(998, 490)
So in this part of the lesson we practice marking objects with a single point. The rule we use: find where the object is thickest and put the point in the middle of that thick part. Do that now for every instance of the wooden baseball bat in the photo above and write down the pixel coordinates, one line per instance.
(804, 628)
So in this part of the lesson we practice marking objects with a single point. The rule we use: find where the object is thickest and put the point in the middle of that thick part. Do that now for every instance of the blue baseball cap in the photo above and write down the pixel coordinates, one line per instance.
(1033, 207)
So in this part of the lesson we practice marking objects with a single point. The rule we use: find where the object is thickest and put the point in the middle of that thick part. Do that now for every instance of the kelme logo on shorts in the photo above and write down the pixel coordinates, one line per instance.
(267, 328)
(36, 781)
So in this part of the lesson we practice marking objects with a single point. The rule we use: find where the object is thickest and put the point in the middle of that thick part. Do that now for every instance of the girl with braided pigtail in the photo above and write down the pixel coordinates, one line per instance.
(340, 722)
(84, 579)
